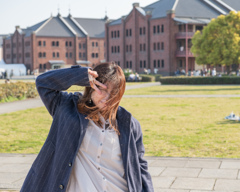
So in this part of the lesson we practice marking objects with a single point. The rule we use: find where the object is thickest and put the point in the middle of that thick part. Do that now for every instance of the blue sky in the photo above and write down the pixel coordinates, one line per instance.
(29, 12)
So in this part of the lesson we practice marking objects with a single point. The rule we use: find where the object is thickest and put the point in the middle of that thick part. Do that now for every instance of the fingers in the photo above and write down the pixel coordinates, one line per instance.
(93, 73)
(95, 88)
(93, 82)
(100, 84)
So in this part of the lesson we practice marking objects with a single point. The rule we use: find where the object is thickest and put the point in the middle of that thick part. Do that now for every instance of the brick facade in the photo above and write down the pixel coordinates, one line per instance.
(152, 44)
(37, 52)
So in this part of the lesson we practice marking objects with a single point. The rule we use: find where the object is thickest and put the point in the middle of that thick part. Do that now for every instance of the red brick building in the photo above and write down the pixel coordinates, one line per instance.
(57, 42)
(158, 36)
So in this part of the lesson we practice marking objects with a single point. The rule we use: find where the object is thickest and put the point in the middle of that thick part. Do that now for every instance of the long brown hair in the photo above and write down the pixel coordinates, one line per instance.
(107, 73)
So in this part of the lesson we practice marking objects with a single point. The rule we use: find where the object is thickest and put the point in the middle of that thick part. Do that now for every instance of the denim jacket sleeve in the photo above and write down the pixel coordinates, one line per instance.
(50, 85)
(147, 185)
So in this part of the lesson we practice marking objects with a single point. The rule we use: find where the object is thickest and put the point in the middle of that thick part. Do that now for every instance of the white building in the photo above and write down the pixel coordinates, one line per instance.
(12, 69)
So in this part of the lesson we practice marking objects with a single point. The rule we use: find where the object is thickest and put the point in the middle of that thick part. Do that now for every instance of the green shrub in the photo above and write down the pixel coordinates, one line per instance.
(17, 90)
(200, 80)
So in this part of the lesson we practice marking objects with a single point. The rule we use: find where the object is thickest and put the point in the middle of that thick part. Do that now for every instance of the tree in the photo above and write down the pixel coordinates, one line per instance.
(219, 42)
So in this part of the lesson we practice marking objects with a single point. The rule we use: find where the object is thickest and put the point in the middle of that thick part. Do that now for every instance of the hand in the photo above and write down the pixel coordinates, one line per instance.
(93, 82)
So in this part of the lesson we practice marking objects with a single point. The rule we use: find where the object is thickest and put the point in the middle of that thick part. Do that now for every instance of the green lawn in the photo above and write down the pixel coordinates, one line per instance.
(14, 81)
(192, 127)
(185, 90)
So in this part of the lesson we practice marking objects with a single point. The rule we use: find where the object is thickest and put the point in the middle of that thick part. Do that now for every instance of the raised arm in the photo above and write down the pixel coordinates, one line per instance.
(50, 85)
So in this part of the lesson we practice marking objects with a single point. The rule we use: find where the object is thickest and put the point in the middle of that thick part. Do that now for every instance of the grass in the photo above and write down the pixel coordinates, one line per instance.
(185, 90)
(193, 127)
(14, 81)
(10, 99)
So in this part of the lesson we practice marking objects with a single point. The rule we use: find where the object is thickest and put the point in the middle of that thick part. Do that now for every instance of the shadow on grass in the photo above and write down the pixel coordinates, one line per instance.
(228, 122)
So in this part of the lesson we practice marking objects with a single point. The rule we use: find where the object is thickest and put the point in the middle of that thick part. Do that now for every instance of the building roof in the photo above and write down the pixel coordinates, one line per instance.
(94, 27)
(67, 27)
(117, 21)
(54, 27)
(159, 9)
(195, 9)
(192, 9)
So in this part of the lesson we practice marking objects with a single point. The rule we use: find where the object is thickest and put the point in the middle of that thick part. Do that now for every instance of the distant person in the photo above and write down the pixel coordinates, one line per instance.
(214, 72)
(209, 72)
(205, 71)
(11, 74)
(136, 77)
(183, 72)
(5, 74)
(238, 72)
(149, 71)
(131, 77)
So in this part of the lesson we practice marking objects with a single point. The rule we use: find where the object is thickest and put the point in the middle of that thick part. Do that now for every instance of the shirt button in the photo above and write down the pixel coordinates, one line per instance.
(100, 144)
(98, 156)
(61, 186)
(102, 130)
(98, 168)
(70, 164)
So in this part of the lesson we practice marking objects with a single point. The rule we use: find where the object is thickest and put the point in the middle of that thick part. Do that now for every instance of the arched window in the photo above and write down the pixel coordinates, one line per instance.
(57, 43)
(44, 54)
(40, 66)
(44, 66)
(53, 54)
(53, 43)
(40, 54)
(66, 43)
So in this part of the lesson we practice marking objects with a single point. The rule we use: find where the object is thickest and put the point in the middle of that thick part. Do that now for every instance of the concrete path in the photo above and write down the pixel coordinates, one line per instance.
(168, 174)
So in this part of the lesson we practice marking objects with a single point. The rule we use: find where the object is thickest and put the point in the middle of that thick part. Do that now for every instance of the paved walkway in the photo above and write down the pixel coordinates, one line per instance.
(168, 174)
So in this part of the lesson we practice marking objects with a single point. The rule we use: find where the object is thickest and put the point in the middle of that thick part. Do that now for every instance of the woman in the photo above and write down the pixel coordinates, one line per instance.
(93, 144)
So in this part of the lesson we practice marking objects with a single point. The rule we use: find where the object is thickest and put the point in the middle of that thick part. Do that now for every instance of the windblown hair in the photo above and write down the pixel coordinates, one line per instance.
(107, 73)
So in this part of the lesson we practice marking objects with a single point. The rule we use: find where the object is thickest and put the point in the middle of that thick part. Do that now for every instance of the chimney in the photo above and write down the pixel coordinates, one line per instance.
(17, 27)
(135, 5)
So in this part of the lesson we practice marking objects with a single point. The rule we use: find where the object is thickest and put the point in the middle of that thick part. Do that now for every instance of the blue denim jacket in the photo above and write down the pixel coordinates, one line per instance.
(51, 169)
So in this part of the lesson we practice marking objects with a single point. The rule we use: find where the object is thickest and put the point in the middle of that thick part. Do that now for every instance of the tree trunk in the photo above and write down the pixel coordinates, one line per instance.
(228, 69)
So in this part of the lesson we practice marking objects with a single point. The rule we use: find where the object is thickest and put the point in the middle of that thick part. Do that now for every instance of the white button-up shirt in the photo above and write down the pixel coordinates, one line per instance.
(98, 165)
